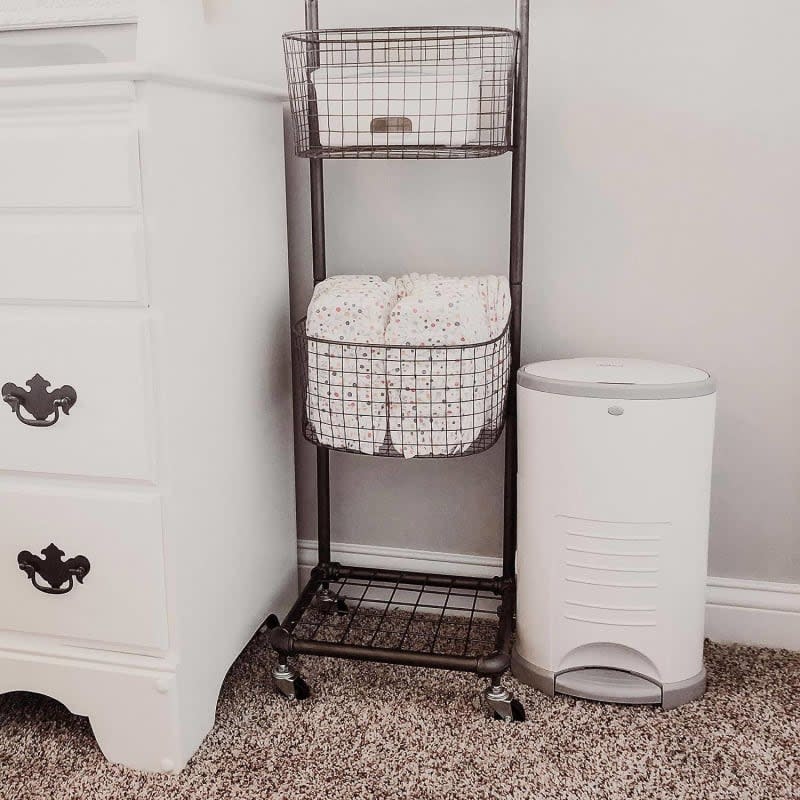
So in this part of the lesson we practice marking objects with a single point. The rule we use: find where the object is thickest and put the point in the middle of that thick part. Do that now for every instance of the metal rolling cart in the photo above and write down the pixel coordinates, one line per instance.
(461, 93)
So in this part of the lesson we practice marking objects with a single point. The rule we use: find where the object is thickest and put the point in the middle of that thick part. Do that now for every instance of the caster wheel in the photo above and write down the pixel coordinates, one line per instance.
(327, 601)
(290, 684)
(517, 713)
(302, 691)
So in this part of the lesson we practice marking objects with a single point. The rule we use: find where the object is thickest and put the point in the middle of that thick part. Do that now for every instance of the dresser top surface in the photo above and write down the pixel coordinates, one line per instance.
(130, 71)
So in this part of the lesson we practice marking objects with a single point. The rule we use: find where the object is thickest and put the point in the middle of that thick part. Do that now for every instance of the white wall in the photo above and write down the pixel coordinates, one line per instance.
(241, 38)
(663, 192)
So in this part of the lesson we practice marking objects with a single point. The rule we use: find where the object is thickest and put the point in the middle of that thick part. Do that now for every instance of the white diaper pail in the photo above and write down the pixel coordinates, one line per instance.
(613, 483)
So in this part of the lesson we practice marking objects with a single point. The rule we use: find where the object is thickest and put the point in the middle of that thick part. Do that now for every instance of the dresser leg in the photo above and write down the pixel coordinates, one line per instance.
(140, 727)
(139, 717)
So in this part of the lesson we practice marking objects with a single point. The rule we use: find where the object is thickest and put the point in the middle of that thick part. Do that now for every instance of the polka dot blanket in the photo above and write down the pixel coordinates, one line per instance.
(430, 386)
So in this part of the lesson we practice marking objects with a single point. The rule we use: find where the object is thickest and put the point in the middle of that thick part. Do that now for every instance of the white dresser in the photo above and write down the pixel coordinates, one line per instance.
(143, 275)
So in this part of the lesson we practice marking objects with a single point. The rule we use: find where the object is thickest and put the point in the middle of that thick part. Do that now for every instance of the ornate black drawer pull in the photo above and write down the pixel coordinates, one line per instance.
(38, 402)
(55, 571)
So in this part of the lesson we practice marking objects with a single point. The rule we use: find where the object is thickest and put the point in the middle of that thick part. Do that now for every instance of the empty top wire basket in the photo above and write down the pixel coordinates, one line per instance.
(432, 92)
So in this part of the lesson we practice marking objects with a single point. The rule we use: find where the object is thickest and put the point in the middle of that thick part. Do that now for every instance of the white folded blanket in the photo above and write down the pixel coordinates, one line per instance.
(442, 407)
(434, 387)
(435, 397)
(494, 291)
(346, 394)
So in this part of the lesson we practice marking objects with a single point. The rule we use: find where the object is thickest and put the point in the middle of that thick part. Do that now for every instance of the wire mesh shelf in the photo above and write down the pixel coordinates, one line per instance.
(447, 617)
(400, 401)
(427, 92)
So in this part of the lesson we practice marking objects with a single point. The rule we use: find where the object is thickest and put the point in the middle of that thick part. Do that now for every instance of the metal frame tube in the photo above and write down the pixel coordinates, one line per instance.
(515, 271)
(385, 656)
(312, 15)
(418, 578)
(317, 178)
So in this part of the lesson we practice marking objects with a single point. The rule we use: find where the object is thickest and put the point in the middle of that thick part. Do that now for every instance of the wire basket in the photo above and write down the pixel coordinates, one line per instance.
(400, 401)
(432, 92)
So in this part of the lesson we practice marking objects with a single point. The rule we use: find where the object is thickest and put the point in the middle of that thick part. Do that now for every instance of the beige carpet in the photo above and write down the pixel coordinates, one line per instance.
(372, 731)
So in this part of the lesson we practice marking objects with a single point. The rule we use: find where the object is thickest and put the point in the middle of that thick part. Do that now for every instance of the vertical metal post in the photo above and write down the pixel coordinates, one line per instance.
(320, 271)
(312, 15)
(518, 175)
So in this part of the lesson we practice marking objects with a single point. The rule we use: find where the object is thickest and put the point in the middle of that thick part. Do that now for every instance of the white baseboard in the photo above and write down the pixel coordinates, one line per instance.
(361, 555)
(737, 610)
(753, 612)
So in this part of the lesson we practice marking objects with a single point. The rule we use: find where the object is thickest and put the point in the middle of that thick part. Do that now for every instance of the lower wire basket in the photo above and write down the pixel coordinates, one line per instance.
(449, 622)
(402, 401)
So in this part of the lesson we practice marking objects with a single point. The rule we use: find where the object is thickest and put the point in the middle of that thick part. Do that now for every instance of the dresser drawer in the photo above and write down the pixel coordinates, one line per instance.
(118, 538)
(74, 146)
(72, 257)
(77, 165)
(102, 358)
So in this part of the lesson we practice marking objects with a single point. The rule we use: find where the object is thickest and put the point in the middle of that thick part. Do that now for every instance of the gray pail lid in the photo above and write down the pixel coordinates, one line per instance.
(616, 378)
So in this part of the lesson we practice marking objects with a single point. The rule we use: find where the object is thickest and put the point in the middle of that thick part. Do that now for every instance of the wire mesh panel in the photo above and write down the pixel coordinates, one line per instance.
(400, 401)
(372, 611)
(402, 92)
